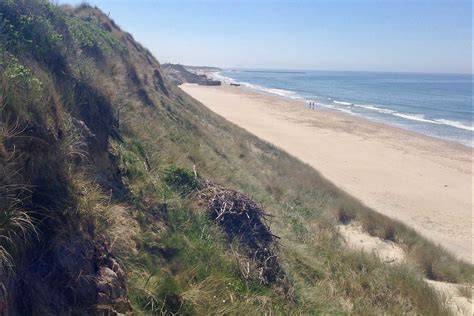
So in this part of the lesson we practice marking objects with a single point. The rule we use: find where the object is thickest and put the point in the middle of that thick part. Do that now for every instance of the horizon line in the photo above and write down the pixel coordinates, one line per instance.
(299, 70)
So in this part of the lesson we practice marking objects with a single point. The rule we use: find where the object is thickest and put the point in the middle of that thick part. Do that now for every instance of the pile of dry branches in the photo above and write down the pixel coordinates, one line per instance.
(244, 220)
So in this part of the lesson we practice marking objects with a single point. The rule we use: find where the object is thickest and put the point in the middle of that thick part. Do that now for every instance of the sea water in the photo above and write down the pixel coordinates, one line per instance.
(437, 105)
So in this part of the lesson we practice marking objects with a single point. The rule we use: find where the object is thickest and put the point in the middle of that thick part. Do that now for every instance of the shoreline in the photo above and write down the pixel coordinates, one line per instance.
(365, 120)
(267, 91)
(422, 181)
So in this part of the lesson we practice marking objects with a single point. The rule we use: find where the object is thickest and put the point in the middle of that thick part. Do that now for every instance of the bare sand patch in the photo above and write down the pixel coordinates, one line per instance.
(454, 295)
(386, 250)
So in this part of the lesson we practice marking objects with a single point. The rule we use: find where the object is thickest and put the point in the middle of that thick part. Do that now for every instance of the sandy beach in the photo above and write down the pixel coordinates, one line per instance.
(424, 182)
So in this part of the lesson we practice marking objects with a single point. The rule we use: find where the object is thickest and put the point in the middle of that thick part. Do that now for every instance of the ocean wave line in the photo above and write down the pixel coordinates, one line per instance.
(413, 117)
(343, 103)
(276, 91)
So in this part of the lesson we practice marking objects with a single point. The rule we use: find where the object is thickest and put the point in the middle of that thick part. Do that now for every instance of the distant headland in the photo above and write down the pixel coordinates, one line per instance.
(180, 74)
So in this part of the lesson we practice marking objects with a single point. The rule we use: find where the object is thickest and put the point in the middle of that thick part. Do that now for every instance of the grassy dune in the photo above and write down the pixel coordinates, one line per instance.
(92, 140)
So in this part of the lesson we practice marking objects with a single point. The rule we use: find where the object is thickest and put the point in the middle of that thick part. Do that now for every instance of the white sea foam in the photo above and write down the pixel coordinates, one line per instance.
(408, 116)
(376, 109)
(222, 78)
(283, 93)
(342, 103)
(347, 111)
(414, 117)
(329, 106)
(455, 124)
(332, 107)
(422, 118)
(279, 92)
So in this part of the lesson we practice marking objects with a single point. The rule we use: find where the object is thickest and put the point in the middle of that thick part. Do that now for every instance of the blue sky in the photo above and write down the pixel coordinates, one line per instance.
(384, 35)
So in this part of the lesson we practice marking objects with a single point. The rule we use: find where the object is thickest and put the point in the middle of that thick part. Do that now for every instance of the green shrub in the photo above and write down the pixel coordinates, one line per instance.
(21, 75)
(180, 179)
(31, 27)
(92, 38)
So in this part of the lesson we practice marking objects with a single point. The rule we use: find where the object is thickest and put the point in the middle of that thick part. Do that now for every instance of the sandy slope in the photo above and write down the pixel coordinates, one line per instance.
(423, 182)
(390, 252)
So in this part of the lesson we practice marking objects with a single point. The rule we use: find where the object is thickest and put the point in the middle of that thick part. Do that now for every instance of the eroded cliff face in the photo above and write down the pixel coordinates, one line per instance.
(55, 133)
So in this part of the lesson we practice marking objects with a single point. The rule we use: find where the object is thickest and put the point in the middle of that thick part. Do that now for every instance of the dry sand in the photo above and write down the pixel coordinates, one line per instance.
(390, 252)
(424, 182)
(355, 237)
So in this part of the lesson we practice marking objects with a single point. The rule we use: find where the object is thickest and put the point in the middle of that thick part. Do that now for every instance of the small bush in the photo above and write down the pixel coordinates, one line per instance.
(180, 179)
(32, 27)
(93, 39)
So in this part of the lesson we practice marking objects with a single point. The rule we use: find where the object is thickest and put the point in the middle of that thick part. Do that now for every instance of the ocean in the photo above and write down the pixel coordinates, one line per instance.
(437, 105)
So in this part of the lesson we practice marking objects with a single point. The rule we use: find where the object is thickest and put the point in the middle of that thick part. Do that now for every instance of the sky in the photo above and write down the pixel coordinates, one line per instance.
(346, 35)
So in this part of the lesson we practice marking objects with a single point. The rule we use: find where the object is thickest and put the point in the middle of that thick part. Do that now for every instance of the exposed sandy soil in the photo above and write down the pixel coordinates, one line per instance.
(356, 238)
(392, 253)
(424, 182)
(459, 304)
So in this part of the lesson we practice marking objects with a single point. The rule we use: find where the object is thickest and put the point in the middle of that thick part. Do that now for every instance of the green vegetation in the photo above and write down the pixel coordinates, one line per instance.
(91, 37)
(182, 265)
(101, 212)
(33, 30)
(181, 179)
